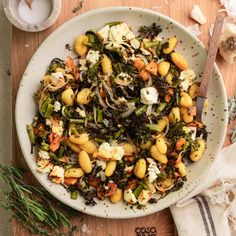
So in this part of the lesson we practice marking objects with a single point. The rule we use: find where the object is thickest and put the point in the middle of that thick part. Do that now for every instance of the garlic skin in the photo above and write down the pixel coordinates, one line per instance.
(197, 15)
(194, 29)
(227, 43)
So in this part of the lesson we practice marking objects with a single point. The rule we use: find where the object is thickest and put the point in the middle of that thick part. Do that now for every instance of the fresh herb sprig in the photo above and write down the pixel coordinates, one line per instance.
(34, 207)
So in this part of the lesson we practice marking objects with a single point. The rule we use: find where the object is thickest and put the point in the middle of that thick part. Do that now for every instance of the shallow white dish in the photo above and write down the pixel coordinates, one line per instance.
(54, 46)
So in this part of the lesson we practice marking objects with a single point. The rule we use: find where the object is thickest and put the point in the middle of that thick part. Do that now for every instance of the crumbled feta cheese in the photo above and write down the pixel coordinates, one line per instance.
(119, 33)
(129, 196)
(103, 33)
(187, 77)
(43, 154)
(197, 15)
(194, 29)
(149, 95)
(57, 171)
(57, 106)
(153, 172)
(48, 122)
(56, 76)
(144, 197)
(44, 166)
(81, 112)
(107, 151)
(193, 130)
(58, 128)
(82, 63)
(93, 56)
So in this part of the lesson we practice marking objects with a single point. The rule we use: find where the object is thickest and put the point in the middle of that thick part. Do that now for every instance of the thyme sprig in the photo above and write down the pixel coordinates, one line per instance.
(34, 207)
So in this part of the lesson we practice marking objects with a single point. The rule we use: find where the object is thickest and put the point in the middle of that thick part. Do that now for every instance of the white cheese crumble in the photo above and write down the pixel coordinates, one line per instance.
(93, 56)
(44, 166)
(81, 112)
(197, 15)
(43, 154)
(57, 171)
(189, 129)
(153, 172)
(107, 151)
(56, 76)
(82, 63)
(48, 122)
(129, 196)
(144, 197)
(56, 106)
(58, 128)
(187, 77)
(149, 95)
(103, 33)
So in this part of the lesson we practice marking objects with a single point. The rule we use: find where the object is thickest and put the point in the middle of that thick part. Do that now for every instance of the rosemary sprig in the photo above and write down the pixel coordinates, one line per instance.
(34, 207)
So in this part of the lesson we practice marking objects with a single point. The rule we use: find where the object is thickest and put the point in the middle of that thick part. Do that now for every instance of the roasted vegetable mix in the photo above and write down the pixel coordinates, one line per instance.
(118, 120)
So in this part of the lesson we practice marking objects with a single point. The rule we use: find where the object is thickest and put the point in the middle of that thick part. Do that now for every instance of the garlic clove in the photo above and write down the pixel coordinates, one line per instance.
(197, 15)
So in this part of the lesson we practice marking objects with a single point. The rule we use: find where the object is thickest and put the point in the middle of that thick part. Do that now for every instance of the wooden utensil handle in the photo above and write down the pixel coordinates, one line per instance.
(211, 56)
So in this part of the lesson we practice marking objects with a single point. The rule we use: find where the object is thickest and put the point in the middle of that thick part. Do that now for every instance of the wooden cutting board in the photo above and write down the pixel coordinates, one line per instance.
(23, 46)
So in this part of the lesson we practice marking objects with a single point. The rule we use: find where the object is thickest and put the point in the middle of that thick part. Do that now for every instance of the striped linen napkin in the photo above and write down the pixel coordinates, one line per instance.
(210, 209)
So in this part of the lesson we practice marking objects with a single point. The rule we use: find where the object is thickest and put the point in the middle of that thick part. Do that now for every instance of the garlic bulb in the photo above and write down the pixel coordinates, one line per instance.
(197, 15)
(227, 43)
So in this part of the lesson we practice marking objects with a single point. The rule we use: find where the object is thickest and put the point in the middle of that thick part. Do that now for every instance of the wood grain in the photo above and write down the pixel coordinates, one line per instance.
(23, 46)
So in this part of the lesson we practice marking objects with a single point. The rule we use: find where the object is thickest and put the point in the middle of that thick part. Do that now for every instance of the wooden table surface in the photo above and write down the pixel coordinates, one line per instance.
(23, 46)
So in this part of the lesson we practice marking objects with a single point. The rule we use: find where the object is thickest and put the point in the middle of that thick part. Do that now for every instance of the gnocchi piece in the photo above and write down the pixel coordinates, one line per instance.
(80, 44)
(198, 149)
(140, 168)
(168, 182)
(89, 147)
(163, 68)
(162, 158)
(185, 100)
(174, 115)
(73, 147)
(181, 168)
(169, 78)
(179, 61)
(187, 118)
(146, 145)
(161, 145)
(110, 168)
(79, 139)
(74, 173)
(117, 196)
(194, 90)
(172, 42)
(106, 65)
(83, 97)
(162, 123)
(85, 162)
(67, 97)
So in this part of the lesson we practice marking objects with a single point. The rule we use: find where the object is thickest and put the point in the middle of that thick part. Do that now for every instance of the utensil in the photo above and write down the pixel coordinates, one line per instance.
(54, 46)
(209, 65)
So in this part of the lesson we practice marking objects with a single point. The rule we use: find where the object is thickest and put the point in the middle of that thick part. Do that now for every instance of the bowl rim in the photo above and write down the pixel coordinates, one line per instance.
(104, 11)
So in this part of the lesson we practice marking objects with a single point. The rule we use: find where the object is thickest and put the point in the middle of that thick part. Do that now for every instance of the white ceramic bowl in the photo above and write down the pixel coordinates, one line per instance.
(54, 46)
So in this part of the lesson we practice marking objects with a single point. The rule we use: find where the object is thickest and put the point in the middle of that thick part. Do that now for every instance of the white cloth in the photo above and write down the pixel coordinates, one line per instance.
(210, 209)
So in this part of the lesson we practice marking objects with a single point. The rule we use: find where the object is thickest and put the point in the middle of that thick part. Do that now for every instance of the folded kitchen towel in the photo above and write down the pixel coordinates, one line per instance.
(210, 209)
